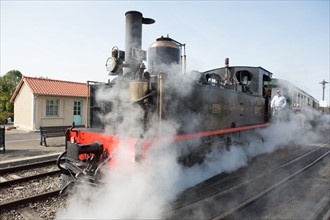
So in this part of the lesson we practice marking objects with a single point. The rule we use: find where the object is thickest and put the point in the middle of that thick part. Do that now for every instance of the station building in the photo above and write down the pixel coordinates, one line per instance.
(47, 102)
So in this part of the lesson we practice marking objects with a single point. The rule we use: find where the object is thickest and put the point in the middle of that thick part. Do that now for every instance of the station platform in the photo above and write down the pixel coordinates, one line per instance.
(22, 145)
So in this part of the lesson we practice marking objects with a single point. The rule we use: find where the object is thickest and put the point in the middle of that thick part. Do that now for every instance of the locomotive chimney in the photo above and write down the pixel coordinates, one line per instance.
(227, 62)
(133, 38)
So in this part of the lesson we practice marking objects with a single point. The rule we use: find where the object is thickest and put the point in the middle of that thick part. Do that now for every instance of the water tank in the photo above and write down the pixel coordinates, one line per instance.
(164, 56)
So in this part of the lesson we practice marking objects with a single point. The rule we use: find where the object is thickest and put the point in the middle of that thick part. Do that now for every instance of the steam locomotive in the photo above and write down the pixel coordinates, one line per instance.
(139, 107)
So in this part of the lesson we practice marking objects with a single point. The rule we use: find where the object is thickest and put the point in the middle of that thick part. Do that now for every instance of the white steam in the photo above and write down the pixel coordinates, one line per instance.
(144, 190)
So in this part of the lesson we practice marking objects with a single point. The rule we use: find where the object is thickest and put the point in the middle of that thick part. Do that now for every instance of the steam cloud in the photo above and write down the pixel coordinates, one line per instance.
(144, 190)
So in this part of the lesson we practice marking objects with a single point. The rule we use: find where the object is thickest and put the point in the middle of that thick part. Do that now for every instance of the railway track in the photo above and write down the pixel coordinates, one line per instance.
(23, 184)
(222, 196)
(304, 196)
(215, 198)
(22, 173)
(29, 199)
(17, 179)
(25, 163)
(270, 188)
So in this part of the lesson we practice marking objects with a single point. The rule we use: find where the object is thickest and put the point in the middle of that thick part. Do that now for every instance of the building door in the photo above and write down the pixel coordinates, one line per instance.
(77, 106)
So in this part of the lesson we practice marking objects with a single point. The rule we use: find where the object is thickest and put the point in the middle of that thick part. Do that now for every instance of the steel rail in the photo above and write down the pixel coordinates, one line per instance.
(267, 190)
(245, 181)
(27, 178)
(195, 201)
(17, 202)
(27, 166)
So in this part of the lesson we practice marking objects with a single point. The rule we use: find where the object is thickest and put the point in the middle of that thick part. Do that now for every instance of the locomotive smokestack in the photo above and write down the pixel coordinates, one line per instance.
(227, 62)
(133, 38)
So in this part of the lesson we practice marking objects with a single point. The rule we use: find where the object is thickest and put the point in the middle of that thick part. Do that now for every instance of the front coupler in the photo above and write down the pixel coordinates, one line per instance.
(81, 161)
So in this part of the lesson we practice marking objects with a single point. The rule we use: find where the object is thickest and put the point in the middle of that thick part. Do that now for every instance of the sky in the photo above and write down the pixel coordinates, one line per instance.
(71, 40)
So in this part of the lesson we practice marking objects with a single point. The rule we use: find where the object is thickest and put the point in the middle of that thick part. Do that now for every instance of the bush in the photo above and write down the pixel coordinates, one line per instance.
(4, 116)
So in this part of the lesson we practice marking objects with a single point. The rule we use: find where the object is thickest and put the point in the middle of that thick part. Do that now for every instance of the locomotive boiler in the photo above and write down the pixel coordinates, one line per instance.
(139, 105)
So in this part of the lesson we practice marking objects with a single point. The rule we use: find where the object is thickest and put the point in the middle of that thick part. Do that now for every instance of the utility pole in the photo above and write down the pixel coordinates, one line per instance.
(323, 86)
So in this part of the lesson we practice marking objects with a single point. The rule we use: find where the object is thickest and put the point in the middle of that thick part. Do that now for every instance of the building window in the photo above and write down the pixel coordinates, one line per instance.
(52, 107)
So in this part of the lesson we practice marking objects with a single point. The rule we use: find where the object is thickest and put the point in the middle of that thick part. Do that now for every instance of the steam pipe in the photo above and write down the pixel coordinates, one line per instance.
(184, 59)
(161, 93)
(181, 64)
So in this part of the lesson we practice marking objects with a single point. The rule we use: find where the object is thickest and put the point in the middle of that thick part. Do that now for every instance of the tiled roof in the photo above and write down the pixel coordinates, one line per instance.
(42, 86)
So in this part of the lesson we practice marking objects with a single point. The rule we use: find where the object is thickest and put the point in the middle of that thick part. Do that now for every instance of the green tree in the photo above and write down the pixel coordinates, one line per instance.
(8, 83)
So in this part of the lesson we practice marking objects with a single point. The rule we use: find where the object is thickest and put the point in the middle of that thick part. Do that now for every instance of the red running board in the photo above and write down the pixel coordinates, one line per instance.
(223, 131)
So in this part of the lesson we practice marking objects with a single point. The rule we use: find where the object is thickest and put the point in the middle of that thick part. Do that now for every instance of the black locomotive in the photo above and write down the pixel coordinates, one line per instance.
(139, 106)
